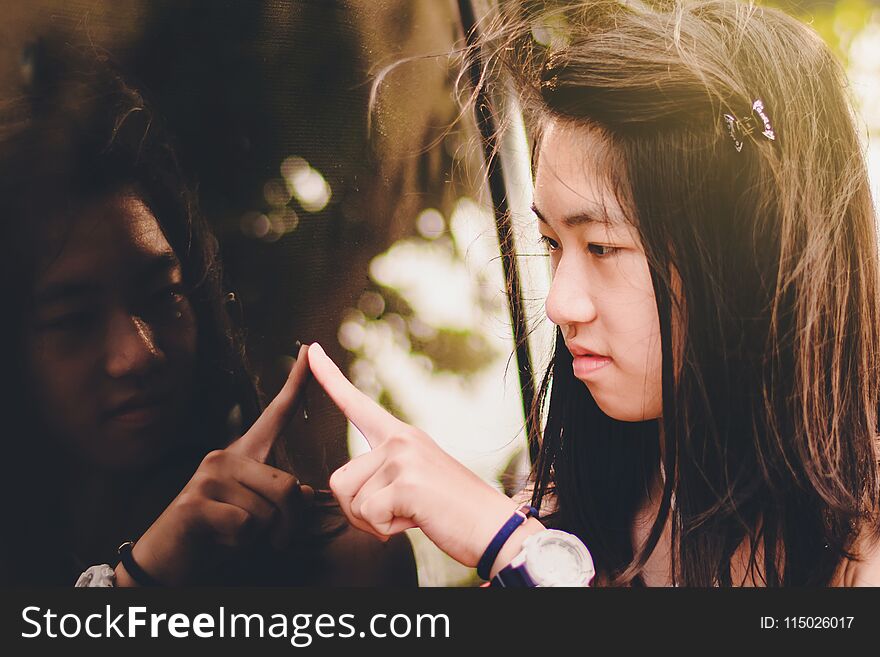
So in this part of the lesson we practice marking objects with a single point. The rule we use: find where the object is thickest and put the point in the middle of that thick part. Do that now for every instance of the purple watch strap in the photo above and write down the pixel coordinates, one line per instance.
(519, 516)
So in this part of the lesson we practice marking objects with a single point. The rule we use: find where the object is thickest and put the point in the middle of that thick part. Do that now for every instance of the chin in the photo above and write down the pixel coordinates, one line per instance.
(624, 417)
(622, 413)
(132, 449)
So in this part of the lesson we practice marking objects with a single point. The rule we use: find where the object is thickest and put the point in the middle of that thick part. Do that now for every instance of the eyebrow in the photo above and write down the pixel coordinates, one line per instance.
(580, 218)
(69, 291)
(158, 264)
(73, 290)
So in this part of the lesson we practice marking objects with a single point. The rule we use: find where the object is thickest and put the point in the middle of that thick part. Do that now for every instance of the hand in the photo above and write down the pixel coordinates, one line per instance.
(232, 499)
(407, 480)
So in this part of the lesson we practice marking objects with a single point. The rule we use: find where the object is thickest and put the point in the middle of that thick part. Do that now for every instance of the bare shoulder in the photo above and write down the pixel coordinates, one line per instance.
(865, 570)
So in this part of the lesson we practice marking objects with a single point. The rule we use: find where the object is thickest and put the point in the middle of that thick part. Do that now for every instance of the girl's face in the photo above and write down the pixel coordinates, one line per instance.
(601, 296)
(111, 342)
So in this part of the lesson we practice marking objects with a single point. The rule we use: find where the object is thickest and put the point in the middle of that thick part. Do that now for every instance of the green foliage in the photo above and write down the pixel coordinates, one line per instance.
(838, 23)
(462, 352)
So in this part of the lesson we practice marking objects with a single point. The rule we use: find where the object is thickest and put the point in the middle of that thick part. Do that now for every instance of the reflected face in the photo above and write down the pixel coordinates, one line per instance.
(111, 342)
(601, 296)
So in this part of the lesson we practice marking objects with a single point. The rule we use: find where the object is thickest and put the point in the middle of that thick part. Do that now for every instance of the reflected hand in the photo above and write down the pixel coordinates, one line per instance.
(407, 480)
(232, 499)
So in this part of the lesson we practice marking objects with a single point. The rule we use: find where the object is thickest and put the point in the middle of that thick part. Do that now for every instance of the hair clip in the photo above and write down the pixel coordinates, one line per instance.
(737, 129)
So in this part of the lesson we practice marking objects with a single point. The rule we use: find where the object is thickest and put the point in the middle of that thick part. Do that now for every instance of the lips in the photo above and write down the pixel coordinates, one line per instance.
(138, 410)
(577, 351)
(585, 362)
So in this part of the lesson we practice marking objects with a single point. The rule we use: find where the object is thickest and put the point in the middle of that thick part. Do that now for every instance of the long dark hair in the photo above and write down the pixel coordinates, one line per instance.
(79, 131)
(765, 271)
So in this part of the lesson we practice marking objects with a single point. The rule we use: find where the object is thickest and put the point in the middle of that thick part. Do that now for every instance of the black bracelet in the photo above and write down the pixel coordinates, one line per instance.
(137, 573)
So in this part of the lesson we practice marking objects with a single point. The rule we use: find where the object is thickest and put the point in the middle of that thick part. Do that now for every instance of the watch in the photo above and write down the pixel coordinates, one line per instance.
(100, 576)
(548, 558)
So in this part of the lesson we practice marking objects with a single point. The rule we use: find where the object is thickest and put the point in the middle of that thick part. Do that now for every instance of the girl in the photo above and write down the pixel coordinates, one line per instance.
(712, 419)
(128, 374)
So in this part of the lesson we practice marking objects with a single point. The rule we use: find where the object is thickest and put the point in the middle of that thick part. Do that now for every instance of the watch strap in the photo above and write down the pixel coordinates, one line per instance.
(519, 517)
(517, 575)
(513, 577)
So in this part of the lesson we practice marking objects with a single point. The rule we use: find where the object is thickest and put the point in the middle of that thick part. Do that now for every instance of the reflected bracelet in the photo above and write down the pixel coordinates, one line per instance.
(137, 573)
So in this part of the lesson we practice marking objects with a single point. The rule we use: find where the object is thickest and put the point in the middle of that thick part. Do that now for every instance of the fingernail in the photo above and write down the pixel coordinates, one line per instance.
(307, 492)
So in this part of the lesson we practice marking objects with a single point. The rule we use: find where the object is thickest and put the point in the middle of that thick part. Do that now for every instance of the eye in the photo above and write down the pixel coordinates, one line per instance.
(551, 244)
(601, 250)
(170, 294)
(75, 322)
(168, 298)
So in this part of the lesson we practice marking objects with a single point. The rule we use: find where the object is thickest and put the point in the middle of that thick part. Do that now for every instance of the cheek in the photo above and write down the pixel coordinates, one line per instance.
(178, 339)
(649, 367)
(63, 385)
(637, 351)
(188, 335)
(176, 334)
(631, 316)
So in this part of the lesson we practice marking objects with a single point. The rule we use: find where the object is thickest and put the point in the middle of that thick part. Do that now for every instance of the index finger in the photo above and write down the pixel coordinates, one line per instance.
(258, 441)
(373, 421)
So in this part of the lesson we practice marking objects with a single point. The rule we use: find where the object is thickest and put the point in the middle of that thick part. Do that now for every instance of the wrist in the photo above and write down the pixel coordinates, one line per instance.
(134, 569)
(509, 522)
(123, 579)
(167, 557)
(514, 544)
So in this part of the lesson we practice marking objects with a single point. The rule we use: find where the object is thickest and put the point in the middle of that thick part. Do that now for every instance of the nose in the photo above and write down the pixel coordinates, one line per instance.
(569, 301)
(131, 346)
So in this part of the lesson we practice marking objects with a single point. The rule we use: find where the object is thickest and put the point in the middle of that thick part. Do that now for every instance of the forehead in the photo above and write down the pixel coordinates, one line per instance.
(574, 176)
(105, 242)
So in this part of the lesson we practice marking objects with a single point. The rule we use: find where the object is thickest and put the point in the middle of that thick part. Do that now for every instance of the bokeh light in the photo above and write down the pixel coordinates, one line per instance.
(306, 184)
(430, 224)
(276, 194)
(255, 224)
(372, 304)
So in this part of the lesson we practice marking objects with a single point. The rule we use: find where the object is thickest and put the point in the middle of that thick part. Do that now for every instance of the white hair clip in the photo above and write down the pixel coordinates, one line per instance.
(737, 129)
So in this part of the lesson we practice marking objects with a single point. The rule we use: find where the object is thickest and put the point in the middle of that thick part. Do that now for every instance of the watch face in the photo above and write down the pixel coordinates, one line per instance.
(559, 559)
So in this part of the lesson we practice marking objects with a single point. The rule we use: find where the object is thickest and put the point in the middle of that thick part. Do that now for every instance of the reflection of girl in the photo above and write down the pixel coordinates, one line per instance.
(127, 369)
(703, 196)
